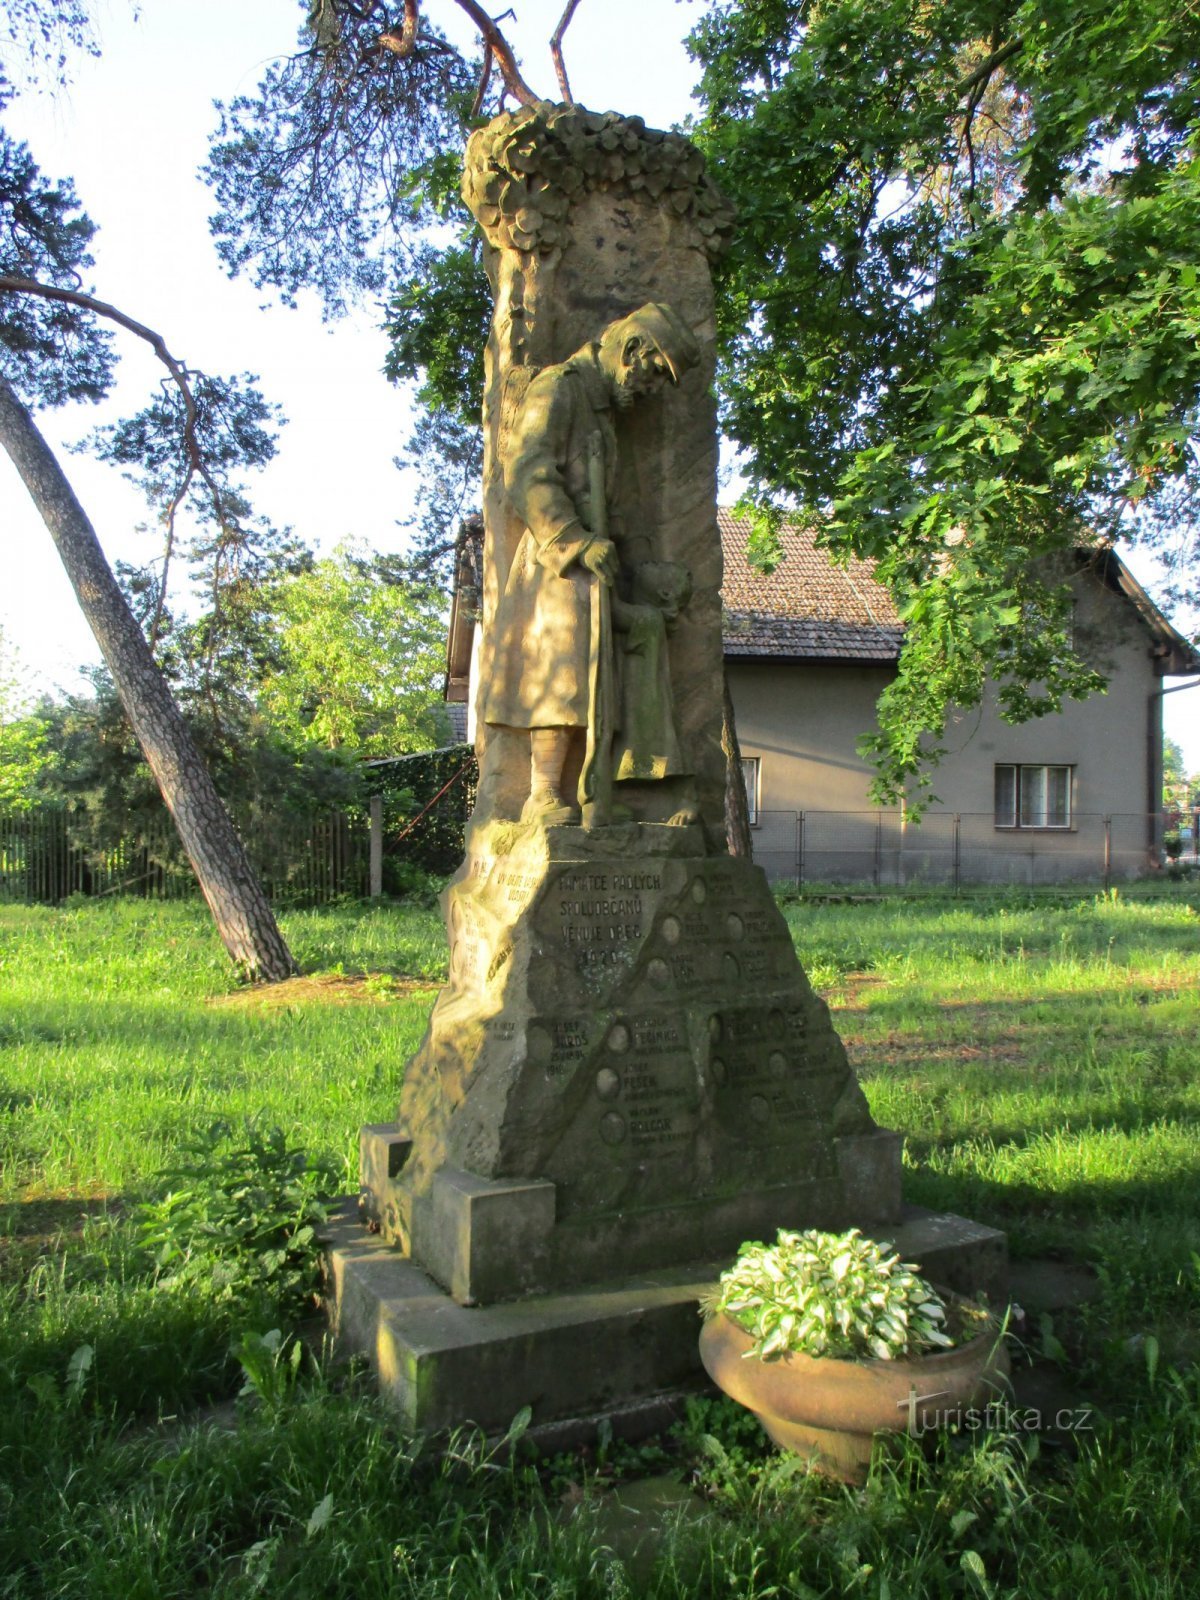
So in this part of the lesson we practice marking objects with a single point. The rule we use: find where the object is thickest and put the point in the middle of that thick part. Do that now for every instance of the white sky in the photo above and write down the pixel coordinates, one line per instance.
(132, 131)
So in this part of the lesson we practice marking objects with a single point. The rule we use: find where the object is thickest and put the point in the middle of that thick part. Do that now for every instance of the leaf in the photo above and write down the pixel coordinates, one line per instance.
(78, 1368)
(519, 1425)
(321, 1514)
(961, 1521)
(1150, 1349)
(972, 1564)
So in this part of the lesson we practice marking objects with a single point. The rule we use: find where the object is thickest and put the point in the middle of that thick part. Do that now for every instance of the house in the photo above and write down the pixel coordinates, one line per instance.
(808, 651)
(1076, 794)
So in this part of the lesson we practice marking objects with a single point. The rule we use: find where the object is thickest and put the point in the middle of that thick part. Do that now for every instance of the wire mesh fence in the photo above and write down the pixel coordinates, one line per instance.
(958, 850)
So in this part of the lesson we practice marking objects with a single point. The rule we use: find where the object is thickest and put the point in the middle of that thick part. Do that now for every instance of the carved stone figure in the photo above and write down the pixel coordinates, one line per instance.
(580, 655)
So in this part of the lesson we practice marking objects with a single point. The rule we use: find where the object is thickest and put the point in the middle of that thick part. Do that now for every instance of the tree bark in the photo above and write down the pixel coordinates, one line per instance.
(737, 811)
(235, 897)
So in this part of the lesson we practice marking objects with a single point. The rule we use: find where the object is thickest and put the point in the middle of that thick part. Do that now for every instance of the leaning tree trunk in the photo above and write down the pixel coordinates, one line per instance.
(235, 897)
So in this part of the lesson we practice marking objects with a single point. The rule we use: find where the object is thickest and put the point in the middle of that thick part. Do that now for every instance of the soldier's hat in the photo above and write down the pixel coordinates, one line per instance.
(667, 332)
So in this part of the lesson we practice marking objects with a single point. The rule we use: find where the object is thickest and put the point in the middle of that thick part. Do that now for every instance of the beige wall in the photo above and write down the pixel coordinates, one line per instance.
(803, 719)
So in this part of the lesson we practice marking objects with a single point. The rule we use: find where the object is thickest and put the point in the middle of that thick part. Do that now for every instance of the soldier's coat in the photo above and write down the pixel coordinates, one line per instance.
(541, 652)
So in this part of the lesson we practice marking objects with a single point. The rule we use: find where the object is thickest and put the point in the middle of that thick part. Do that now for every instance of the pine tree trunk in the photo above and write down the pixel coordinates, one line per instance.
(737, 811)
(235, 897)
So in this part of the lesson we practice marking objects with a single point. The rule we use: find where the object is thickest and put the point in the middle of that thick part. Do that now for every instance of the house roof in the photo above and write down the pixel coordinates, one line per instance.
(808, 608)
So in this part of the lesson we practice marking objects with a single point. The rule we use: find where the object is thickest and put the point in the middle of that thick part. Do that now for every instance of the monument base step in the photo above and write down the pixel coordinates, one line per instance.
(615, 1349)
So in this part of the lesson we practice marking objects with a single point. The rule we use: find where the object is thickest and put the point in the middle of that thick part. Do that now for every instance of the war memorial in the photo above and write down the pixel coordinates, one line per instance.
(627, 1073)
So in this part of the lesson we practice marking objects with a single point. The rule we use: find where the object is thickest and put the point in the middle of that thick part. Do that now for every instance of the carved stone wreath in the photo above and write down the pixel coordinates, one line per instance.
(524, 170)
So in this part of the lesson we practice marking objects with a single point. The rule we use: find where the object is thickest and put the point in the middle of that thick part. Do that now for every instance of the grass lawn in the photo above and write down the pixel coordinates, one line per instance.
(1041, 1059)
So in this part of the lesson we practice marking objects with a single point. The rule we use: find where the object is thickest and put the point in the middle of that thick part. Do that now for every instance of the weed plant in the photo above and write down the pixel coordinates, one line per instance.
(169, 1425)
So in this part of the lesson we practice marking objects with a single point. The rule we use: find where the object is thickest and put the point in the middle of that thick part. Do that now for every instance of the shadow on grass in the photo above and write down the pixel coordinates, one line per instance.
(173, 1030)
(1119, 994)
(1090, 1199)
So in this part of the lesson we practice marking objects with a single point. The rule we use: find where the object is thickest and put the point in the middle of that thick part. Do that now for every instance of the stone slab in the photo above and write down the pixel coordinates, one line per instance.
(564, 1355)
(954, 1252)
(620, 1349)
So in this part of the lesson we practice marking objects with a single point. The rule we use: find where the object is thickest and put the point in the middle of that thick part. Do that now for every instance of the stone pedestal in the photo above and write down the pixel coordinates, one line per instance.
(627, 1069)
(626, 1350)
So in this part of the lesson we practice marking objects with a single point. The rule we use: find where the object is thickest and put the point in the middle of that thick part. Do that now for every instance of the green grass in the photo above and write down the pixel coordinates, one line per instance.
(1040, 1058)
(121, 1030)
(1043, 1060)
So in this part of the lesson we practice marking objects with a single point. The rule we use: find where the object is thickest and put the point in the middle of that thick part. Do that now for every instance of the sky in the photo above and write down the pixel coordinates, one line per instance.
(132, 131)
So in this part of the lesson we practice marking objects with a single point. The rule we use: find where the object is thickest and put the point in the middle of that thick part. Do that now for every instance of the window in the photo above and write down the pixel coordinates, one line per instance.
(750, 776)
(1034, 797)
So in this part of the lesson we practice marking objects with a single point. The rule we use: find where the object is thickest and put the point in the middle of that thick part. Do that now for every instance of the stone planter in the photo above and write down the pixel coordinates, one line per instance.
(830, 1410)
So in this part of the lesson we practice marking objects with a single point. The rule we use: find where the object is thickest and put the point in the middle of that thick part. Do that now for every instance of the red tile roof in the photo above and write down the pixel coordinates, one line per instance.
(807, 607)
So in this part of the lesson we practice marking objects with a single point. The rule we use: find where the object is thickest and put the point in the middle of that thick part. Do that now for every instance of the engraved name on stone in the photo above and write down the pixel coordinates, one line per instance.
(558, 1047)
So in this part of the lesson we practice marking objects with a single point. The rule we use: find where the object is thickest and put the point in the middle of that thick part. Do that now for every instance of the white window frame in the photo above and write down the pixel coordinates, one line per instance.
(752, 777)
(1025, 812)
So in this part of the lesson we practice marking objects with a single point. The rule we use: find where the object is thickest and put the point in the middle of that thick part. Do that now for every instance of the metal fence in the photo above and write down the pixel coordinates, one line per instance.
(955, 850)
(50, 853)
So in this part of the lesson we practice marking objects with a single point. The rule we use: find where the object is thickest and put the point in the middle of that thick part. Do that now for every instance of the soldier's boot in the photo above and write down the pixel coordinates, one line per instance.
(549, 750)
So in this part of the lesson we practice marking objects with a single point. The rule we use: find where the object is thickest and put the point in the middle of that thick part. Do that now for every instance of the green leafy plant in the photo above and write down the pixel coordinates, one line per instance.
(241, 1213)
(829, 1294)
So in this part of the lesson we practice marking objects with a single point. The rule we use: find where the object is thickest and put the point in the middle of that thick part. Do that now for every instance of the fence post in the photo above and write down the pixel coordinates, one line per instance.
(957, 853)
(878, 844)
(799, 849)
(1107, 853)
(376, 869)
(900, 844)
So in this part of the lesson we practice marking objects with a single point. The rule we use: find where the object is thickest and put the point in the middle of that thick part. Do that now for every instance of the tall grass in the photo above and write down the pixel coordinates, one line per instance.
(1040, 1059)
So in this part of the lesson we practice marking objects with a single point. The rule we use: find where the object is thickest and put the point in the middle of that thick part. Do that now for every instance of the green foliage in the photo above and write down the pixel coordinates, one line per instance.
(50, 352)
(439, 321)
(240, 1214)
(427, 799)
(23, 753)
(360, 660)
(1178, 785)
(96, 774)
(830, 1294)
(23, 759)
(959, 316)
(324, 175)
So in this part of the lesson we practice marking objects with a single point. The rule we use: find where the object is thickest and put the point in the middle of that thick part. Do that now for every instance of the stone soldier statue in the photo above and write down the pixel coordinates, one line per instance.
(578, 662)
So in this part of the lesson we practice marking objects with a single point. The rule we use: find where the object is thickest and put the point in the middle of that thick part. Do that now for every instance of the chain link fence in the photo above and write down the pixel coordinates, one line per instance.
(958, 850)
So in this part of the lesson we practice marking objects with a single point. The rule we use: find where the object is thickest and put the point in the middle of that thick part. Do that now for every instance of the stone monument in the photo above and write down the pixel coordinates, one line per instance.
(628, 1072)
